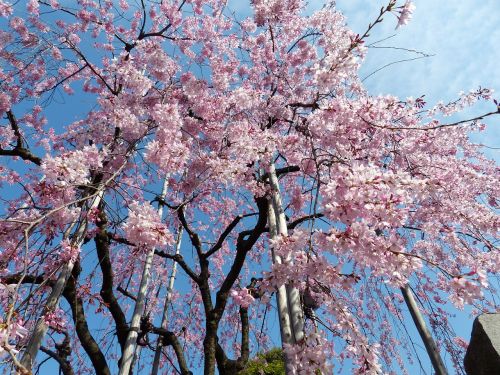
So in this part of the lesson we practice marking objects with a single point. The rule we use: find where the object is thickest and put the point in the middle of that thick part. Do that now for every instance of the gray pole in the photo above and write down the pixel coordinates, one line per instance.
(281, 296)
(35, 340)
(426, 336)
(294, 304)
(131, 343)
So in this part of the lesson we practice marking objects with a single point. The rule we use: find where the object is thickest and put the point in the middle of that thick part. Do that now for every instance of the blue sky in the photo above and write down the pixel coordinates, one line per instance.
(462, 35)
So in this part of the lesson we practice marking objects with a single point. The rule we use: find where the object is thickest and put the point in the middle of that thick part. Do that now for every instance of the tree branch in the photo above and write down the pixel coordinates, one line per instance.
(227, 366)
(223, 236)
(170, 339)
(243, 246)
(181, 262)
(88, 342)
(19, 150)
(64, 364)
(102, 241)
(282, 171)
(195, 239)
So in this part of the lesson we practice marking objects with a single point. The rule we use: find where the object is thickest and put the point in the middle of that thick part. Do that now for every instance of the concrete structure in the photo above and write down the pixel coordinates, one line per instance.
(483, 354)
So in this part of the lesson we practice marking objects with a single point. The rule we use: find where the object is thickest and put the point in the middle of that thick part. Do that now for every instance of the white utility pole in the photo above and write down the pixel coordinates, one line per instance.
(35, 340)
(290, 311)
(294, 305)
(131, 343)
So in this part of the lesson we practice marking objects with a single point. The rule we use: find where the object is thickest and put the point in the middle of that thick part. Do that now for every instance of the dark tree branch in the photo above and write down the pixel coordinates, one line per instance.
(290, 226)
(77, 309)
(118, 239)
(226, 233)
(303, 219)
(423, 128)
(26, 279)
(227, 366)
(19, 150)
(126, 294)
(170, 339)
(177, 257)
(223, 236)
(102, 241)
(84, 58)
(195, 239)
(181, 262)
(243, 246)
(245, 337)
(62, 354)
(282, 171)
(63, 363)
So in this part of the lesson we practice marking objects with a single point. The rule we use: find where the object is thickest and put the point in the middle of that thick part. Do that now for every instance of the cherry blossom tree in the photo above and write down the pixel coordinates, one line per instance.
(254, 139)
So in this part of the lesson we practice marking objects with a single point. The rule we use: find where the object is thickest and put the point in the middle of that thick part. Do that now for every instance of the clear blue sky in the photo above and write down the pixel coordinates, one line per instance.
(462, 35)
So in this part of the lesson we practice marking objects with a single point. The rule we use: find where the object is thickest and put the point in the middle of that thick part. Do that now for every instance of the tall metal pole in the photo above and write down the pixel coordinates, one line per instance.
(424, 332)
(293, 295)
(168, 297)
(131, 343)
(41, 327)
(281, 295)
(288, 298)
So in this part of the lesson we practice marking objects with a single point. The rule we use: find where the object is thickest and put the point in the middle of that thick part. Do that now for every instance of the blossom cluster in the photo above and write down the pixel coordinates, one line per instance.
(72, 168)
(144, 227)
(15, 331)
(242, 297)
(405, 13)
(56, 320)
(310, 356)
(380, 198)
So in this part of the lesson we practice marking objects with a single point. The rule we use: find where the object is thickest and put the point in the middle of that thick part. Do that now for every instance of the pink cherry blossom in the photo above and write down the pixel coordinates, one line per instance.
(144, 228)
(242, 297)
(406, 13)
